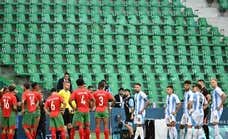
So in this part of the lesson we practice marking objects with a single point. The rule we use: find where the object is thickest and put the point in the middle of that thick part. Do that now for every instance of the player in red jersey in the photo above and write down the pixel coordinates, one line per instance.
(30, 104)
(81, 119)
(53, 109)
(102, 98)
(8, 104)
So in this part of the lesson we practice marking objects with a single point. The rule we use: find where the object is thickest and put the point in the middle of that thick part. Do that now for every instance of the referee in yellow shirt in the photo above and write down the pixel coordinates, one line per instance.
(68, 113)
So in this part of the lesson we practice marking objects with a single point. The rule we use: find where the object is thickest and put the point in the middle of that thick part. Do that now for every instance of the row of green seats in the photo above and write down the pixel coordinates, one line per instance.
(223, 4)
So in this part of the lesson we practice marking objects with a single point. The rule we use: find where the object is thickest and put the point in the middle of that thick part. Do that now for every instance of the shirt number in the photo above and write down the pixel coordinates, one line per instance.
(83, 100)
(101, 99)
(52, 106)
(6, 103)
(32, 101)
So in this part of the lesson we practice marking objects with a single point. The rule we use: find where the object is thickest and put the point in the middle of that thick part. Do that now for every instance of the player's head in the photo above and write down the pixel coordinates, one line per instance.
(80, 82)
(66, 76)
(169, 89)
(90, 88)
(35, 86)
(187, 85)
(4, 90)
(137, 87)
(214, 83)
(196, 88)
(66, 85)
(26, 86)
(101, 85)
(127, 92)
(53, 91)
(12, 88)
(121, 91)
(201, 82)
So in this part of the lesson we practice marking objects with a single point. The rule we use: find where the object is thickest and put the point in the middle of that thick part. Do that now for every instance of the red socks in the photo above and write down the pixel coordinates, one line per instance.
(72, 133)
(63, 135)
(53, 133)
(97, 131)
(10, 136)
(81, 133)
(3, 136)
(28, 135)
(106, 133)
(87, 133)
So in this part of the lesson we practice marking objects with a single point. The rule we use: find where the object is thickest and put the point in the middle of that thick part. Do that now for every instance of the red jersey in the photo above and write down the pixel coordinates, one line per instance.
(53, 103)
(82, 98)
(8, 100)
(31, 98)
(102, 97)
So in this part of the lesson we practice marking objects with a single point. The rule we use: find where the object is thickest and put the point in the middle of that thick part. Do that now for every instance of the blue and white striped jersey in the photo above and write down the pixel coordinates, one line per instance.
(171, 103)
(216, 98)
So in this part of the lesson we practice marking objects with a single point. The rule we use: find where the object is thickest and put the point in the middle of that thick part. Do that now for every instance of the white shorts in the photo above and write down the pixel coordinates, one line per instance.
(186, 119)
(215, 116)
(197, 118)
(170, 118)
(139, 119)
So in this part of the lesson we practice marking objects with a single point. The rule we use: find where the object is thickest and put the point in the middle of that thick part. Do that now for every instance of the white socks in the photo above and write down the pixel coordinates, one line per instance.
(139, 132)
(216, 132)
(172, 132)
(189, 133)
(182, 133)
(198, 134)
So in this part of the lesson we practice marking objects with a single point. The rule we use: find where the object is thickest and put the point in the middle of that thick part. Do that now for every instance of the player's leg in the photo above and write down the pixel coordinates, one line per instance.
(12, 125)
(215, 117)
(76, 118)
(189, 128)
(130, 129)
(4, 126)
(36, 122)
(106, 129)
(182, 126)
(87, 125)
(26, 124)
(97, 130)
(60, 126)
(80, 124)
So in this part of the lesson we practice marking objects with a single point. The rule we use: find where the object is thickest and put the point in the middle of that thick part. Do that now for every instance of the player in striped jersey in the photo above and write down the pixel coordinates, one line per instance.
(186, 120)
(141, 103)
(172, 107)
(197, 104)
(218, 99)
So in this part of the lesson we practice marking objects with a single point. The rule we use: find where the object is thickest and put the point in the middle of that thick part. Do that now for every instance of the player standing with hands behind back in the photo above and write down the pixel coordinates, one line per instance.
(102, 98)
(53, 109)
(81, 119)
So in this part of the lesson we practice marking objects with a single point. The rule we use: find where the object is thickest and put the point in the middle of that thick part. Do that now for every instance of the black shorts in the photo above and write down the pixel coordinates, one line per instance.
(67, 117)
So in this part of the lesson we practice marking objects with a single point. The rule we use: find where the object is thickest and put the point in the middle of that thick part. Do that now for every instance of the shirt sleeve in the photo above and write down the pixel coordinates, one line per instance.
(144, 96)
(46, 104)
(109, 96)
(191, 96)
(219, 91)
(72, 96)
(14, 100)
(131, 103)
(23, 97)
(177, 99)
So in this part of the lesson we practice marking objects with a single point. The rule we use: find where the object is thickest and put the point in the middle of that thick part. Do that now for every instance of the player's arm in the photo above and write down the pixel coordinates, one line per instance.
(23, 103)
(177, 108)
(14, 103)
(112, 99)
(46, 109)
(147, 103)
(71, 100)
(223, 98)
(205, 104)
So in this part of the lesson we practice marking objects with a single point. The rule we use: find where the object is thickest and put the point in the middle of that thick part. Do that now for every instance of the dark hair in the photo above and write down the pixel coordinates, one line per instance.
(138, 84)
(66, 73)
(201, 80)
(11, 88)
(26, 85)
(187, 82)
(101, 85)
(80, 82)
(198, 86)
(127, 90)
(34, 84)
(170, 86)
(90, 87)
(53, 90)
(121, 89)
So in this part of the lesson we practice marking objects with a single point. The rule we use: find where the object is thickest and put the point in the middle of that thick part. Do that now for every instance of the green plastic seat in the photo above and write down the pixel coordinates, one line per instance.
(107, 29)
(70, 28)
(58, 28)
(19, 69)
(108, 39)
(109, 69)
(132, 49)
(204, 40)
(191, 31)
(19, 59)
(194, 50)
(44, 68)
(32, 68)
(45, 49)
(180, 21)
(159, 69)
(131, 29)
(154, 11)
(70, 59)
(120, 40)
(181, 49)
(171, 60)
(146, 69)
(110, 20)
(203, 31)
(202, 22)
(96, 69)
(57, 59)
(19, 38)
(169, 49)
(134, 69)
(155, 30)
(216, 40)
(6, 48)
(19, 48)
(33, 28)
(58, 38)
(156, 20)
(45, 38)
(156, 40)
(48, 81)
(145, 49)
(166, 11)
(121, 59)
(70, 49)
(133, 59)
(133, 39)
(20, 28)
(57, 48)
(168, 40)
(179, 30)
(45, 59)
(144, 19)
(168, 20)
(32, 38)
(180, 40)
(183, 69)
(121, 68)
(171, 69)
(196, 69)
(157, 50)
(168, 30)
(177, 11)
(207, 60)
(35, 77)
(70, 18)
(95, 59)
(130, 10)
(45, 28)
(31, 59)
(83, 59)
(146, 59)
(183, 59)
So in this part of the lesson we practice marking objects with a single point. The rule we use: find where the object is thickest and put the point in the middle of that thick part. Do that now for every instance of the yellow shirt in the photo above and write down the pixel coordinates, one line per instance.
(65, 94)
